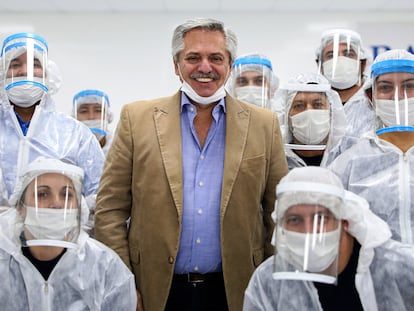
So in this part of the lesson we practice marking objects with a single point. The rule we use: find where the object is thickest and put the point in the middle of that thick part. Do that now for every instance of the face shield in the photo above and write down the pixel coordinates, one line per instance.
(24, 57)
(251, 80)
(393, 95)
(307, 232)
(339, 58)
(49, 204)
(308, 116)
(91, 107)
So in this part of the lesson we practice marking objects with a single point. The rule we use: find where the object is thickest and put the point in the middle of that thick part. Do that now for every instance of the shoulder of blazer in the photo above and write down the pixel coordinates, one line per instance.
(163, 103)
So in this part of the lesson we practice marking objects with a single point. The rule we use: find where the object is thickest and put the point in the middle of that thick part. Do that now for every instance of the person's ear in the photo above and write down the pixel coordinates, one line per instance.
(363, 65)
(345, 225)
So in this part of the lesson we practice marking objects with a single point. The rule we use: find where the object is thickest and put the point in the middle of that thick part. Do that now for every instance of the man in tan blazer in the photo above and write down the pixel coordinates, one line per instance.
(194, 175)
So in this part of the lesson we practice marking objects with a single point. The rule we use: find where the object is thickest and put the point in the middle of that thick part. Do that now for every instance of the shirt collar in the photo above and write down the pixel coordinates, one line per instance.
(186, 101)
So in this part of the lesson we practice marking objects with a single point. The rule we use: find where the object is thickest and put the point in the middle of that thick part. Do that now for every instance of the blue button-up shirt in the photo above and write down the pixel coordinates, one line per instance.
(202, 179)
(24, 125)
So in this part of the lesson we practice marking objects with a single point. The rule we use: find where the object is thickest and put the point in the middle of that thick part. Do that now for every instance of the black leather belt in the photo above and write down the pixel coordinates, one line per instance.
(198, 277)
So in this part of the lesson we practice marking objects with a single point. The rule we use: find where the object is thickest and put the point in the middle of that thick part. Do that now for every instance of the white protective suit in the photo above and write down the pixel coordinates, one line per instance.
(89, 277)
(360, 115)
(381, 173)
(337, 131)
(385, 272)
(378, 170)
(51, 134)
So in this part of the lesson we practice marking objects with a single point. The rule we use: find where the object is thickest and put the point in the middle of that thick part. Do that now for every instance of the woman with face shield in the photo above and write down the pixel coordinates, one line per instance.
(342, 59)
(252, 80)
(314, 120)
(92, 108)
(30, 125)
(380, 167)
(331, 252)
(48, 261)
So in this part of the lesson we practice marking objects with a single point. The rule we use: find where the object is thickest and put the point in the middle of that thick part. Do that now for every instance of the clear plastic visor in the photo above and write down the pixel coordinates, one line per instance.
(24, 60)
(308, 119)
(307, 244)
(340, 60)
(50, 211)
(393, 96)
(92, 110)
(251, 82)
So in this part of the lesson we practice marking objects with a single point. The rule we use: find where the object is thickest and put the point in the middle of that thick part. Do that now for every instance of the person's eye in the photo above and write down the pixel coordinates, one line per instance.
(259, 81)
(408, 86)
(385, 88)
(318, 105)
(14, 65)
(298, 106)
(192, 59)
(216, 59)
(41, 194)
(37, 64)
(241, 82)
(328, 56)
(293, 220)
(350, 54)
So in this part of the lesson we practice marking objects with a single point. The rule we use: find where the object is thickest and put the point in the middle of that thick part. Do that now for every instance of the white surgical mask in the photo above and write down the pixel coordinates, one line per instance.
(25, 95)
(344, 75)
(96, 128)
(311, 126)
(385, 109)
(50, 223)
(188, 90)
(255, 95)
(306, 251)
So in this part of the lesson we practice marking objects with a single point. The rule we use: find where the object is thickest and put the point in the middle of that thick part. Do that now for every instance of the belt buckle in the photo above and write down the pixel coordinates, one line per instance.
(189, 280)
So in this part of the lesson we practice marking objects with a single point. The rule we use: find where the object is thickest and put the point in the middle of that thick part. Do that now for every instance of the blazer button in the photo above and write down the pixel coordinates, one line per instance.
(171, 259)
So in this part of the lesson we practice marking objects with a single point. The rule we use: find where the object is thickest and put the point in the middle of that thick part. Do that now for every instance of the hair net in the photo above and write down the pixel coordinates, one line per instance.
(312, 82)
(42, 166)
(312, 185)
(92, 96)
(53, 77)
(255, 62)
(345, 35)
(397, 60)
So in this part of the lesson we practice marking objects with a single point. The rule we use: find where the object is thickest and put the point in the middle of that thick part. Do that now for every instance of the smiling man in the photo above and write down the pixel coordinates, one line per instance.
(195, 175)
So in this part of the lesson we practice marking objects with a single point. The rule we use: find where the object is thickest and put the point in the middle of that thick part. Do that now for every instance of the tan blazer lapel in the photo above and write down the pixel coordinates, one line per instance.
(237, 124)
(168, 127)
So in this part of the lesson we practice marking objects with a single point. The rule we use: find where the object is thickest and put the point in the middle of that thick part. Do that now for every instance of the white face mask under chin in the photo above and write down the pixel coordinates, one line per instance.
(188, 90)
(252, 95)
(312, 126)
(346, 73)
(49, 223)
(385, 109)
(96, 128)
(25, 95)
(319, 258)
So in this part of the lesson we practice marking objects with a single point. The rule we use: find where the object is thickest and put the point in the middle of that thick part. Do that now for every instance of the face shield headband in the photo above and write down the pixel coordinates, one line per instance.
(252, 61)
(36, 47)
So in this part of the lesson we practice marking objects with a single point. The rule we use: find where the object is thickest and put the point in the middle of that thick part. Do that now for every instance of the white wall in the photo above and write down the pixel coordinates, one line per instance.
(128, 55)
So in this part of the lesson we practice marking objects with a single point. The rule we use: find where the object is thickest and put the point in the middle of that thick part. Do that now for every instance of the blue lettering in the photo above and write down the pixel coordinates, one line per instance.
(376, 49)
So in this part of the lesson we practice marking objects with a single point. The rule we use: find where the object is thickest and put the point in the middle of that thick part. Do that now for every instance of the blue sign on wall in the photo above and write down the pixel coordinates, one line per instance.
(377, 49)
